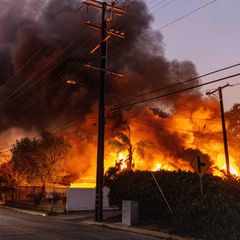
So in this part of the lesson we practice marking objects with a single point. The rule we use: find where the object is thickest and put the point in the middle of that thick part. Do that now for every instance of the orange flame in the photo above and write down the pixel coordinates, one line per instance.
(158, 143)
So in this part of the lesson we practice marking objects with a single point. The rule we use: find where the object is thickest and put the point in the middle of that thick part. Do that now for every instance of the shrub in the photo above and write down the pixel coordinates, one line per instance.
(216, 215)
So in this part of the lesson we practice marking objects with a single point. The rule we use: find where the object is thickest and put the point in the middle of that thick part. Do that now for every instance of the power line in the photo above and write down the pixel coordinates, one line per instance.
(117, 108)
(233, 85)
(176, 20)
(170, 23)
(35, 82)
(40, 70)
(69, 123)
(162, 1)
(46, 74)
(185, 131)
(151, 2)
(185, 15)
(189, 80)
(86, 42)
(52, 58)
(25, 64)
(194, 118)
(51, 85)
(179, 18)
(163, 6)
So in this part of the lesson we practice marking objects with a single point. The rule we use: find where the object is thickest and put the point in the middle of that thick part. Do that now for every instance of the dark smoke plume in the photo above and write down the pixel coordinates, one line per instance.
(44, 43)
(35, 95)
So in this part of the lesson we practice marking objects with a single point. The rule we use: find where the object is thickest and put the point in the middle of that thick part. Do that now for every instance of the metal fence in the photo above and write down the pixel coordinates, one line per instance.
(52, 198)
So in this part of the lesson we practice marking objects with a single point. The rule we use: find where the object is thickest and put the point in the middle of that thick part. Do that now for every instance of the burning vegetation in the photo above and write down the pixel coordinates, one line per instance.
(44, 44)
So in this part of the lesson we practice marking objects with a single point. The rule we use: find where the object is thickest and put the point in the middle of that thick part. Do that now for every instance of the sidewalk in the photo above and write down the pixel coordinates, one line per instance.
(141, 231)
(20, 210)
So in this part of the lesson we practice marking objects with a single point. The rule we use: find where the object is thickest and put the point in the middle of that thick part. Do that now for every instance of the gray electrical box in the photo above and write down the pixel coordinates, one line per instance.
(129, 212)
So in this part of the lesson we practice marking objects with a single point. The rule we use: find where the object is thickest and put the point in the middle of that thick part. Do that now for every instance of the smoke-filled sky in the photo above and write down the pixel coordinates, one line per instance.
(45, 43)
(209, 37)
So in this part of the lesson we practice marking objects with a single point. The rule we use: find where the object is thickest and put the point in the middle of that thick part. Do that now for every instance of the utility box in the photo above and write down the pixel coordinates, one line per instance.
(130, 211)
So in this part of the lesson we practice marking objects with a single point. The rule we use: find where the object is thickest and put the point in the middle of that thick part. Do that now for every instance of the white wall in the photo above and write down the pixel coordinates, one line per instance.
(84, 199)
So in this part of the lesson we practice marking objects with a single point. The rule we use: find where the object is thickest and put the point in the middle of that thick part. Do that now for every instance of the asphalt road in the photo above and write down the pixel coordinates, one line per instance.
(19, 226)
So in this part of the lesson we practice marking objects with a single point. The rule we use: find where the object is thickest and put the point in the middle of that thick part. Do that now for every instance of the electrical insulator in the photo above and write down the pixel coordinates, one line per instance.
(108, 15)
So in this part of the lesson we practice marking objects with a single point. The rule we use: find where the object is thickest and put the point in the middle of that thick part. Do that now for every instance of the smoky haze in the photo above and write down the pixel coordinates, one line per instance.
(44, 43)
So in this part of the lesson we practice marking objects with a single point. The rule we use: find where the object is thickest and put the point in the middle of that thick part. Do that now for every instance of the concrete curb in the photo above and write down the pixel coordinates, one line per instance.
(138, 230)
(25, 211)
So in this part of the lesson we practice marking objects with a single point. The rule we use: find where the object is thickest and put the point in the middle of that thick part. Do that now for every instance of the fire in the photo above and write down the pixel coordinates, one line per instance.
(157, 168)
(233, 170)
(219, 165)
(85, 182)
(152, 142)
(170, 143)
(82, 185)
(122, 157)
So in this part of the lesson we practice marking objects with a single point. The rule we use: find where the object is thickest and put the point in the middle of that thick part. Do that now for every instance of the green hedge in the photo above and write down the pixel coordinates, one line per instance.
(216, 215)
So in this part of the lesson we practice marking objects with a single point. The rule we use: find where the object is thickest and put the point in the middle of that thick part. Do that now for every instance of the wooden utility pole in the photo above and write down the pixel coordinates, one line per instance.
(101, 121)
(224, 131)
(107, 12)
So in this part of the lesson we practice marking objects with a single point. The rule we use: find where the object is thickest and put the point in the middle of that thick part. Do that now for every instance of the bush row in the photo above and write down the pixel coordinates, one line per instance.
(215, 215)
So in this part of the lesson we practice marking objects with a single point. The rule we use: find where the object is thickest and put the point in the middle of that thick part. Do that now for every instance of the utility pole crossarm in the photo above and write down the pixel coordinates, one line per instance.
(106, 70)
(112, 32)
(109, 34)
(91, 5)
(99, 45)
(209, 93)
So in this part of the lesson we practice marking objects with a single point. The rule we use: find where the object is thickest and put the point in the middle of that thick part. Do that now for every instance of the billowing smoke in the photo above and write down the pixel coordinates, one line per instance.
(44, 43)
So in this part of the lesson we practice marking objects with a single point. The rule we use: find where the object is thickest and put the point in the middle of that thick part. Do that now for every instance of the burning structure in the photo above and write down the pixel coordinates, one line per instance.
(44, 43)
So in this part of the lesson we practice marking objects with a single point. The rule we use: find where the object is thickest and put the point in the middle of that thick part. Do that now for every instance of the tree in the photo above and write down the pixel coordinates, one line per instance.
(40, 160)
(122, 141)
(233, 116)
(7, 180)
